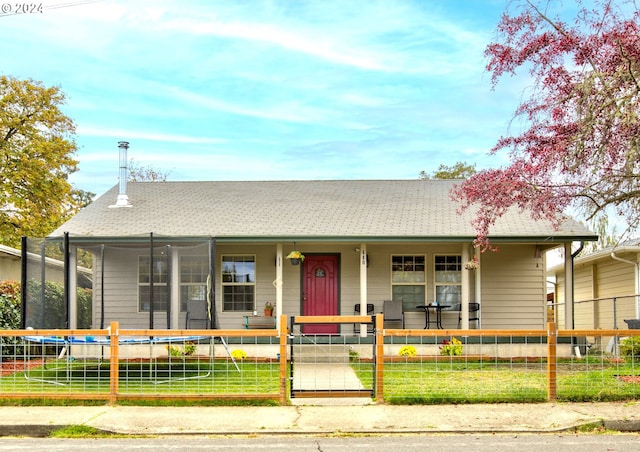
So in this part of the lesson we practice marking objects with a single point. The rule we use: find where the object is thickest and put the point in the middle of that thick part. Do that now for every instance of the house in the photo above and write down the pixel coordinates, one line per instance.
(11, 264)
(162, 250)
(11, 267)
(606, 285)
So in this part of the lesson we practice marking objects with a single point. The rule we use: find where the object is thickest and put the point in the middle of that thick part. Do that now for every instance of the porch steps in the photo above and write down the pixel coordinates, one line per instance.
(321, 353)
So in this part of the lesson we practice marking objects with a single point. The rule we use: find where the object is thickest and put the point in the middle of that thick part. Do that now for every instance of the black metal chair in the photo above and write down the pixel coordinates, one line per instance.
(197, 313)
(356, 310)
(392, 311)
(474, 308)
(632, 324)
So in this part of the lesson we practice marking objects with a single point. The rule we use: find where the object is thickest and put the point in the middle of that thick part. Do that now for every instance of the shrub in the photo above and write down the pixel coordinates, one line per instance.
(9, 313)
(9, 305)
(54, 314)
(189, 349)
(630, 346)
(408, 350)
(451, 348)
(177, 352)
(238, 354)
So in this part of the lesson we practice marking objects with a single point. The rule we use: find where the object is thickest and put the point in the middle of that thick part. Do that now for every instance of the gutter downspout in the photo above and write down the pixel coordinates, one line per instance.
(636, 276)
(569, 322)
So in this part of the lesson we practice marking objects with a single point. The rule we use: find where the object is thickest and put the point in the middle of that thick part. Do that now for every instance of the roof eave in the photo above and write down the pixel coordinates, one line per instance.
(559, 239)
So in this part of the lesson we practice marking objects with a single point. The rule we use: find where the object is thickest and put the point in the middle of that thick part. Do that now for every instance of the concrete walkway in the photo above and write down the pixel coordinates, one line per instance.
(313, 419)
(318, 377)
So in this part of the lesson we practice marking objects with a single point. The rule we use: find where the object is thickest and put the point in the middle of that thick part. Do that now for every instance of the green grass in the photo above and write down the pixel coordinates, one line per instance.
(477, 381)
(428, 381)
(165, 378)
(79, 431)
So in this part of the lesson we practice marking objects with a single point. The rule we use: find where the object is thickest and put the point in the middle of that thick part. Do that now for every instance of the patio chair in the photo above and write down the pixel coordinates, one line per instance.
(474, 308)
(632, 324)
(356, 311)
(197, 313)
(392, 311)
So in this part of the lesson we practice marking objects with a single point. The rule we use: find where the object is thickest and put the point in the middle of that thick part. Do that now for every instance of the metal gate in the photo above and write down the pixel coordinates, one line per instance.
(331, 365)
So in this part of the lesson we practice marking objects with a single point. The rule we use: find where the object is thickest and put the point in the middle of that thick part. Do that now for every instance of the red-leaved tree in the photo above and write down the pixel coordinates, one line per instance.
(581, 140)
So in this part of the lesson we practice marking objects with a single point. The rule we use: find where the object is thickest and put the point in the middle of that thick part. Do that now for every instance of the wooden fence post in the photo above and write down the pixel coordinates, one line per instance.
(379, 359)
(284, 334)
(114, 362)
(552, 341)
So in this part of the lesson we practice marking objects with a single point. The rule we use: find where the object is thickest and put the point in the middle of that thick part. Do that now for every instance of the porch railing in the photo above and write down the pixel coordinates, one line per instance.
(596, 313)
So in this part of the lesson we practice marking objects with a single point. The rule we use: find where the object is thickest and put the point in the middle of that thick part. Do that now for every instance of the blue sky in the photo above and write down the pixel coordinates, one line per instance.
(264, 90)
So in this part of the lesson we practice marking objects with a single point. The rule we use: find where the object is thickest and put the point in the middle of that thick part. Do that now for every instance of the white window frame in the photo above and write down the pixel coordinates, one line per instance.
(193, 280)
(410, 279)
(452, 283)
(225, 283)
(161, 283)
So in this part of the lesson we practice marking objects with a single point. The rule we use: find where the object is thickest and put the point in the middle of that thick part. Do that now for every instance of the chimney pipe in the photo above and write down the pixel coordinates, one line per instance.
(123, 199)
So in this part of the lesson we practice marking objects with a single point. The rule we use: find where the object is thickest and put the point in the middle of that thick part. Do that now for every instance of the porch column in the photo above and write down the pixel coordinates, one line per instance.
(363, 286)
(73, 288)
(478, 287)
(464, 296)
(568, 286)
(278, 283)
(174, 297)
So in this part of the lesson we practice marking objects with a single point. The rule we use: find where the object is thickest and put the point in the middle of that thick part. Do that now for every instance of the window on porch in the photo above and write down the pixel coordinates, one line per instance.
(448, 279)
(238, 283)
(408, 281)
(160, 283)
(193, 279)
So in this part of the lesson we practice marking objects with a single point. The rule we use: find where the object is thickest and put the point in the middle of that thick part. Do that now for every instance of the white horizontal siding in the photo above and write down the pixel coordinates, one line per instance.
(512, 282)
(513, 289)
(596, 284)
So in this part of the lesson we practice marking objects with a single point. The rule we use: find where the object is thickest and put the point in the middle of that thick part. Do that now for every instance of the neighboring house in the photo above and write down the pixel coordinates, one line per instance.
(165, 246)
(11, 267)
(11, 264)
(606, 285)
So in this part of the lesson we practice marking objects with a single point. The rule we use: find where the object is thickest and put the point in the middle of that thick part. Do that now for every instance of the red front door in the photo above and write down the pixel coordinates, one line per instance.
(320, 291)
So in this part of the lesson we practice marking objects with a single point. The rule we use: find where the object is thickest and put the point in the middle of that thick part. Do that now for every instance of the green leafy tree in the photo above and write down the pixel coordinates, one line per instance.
(36, 157)
(81, 199)
(461, 170)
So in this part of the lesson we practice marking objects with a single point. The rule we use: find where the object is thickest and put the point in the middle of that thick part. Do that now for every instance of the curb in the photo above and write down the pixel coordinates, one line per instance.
(44, 431)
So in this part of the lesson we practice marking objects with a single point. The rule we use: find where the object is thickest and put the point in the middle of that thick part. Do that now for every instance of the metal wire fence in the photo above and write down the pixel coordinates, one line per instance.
(464, 367)
(391, 365)
(95, 364)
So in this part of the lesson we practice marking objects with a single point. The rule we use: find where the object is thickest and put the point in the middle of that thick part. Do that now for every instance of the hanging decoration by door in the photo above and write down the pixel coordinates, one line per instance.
(295, 257)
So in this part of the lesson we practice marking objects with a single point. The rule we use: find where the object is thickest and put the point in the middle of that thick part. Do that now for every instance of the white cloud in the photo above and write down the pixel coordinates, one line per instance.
(259, 89)
(141, 135)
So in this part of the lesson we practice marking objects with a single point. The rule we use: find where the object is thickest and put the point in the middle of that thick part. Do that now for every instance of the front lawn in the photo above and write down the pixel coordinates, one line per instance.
(516, 381)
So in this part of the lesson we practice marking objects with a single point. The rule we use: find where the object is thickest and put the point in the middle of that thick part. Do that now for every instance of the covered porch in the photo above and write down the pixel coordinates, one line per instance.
(156, 282)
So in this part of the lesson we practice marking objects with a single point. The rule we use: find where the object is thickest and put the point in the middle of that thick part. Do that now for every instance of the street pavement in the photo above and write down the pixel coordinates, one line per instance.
(323, 416)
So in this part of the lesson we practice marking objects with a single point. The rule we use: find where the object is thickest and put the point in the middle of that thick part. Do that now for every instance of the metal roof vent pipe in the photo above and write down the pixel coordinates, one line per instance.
(123, 199)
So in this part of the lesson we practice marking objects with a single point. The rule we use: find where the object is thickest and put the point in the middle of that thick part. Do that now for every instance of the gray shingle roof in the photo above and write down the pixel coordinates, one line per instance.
(331, 209)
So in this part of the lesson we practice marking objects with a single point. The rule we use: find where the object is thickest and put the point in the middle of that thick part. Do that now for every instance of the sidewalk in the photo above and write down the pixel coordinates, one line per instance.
(311, 418)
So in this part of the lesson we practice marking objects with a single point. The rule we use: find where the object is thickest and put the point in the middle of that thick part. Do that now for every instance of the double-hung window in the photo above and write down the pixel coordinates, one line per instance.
(448, 279)
(194, 271)
(160, 283)
(238, 283)
(408, 280)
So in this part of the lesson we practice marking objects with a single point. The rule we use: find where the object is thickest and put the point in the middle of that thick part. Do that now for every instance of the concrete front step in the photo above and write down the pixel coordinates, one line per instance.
(321, 353)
